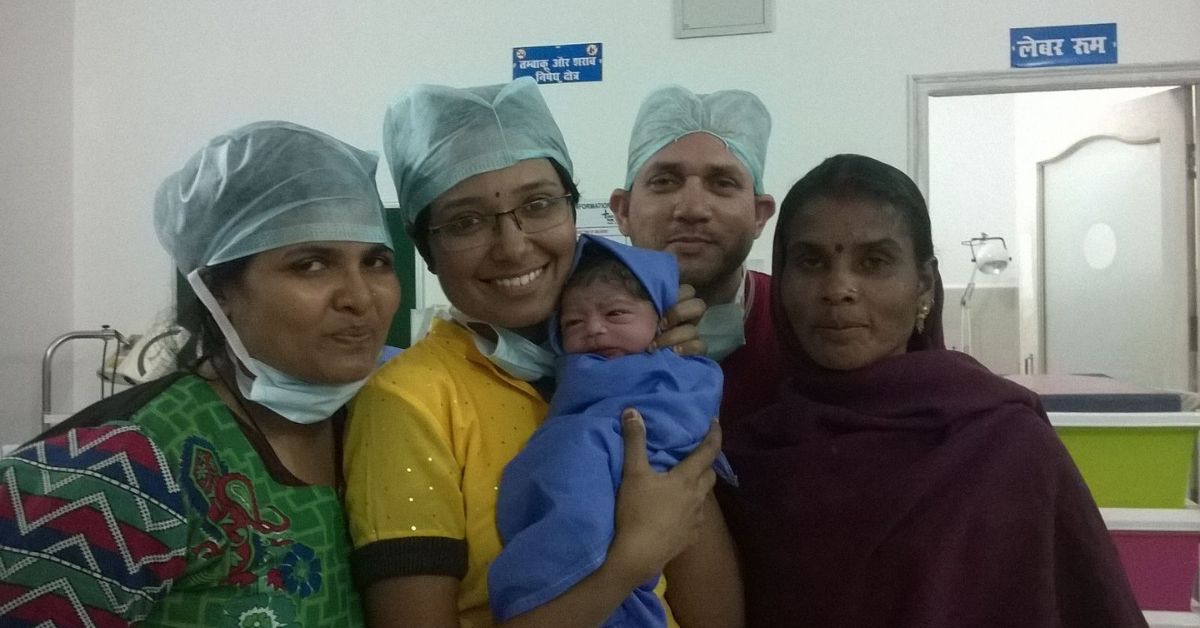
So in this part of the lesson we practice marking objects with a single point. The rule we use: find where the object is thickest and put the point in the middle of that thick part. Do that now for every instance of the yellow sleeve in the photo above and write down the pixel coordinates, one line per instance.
(403, 481)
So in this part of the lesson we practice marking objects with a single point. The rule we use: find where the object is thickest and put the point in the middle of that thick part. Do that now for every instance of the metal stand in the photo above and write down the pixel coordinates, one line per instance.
(105, 333)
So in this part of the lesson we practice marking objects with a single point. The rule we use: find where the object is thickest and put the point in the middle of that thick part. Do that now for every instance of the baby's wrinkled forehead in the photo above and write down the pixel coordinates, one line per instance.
(599, 288)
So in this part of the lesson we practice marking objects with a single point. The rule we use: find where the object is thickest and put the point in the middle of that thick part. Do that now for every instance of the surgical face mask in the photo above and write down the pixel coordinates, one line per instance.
(293, 399)
(723, 329)
(512, 353)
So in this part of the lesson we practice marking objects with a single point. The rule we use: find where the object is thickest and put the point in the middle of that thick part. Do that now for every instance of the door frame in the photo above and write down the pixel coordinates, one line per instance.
(411, 281)
(922, 87)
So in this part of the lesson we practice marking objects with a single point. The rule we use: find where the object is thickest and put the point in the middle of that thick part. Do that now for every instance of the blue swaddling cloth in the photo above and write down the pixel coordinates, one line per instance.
(557, 497)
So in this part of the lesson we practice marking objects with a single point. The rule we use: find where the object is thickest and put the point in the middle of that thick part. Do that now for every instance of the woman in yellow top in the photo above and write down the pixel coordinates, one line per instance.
(484, 182)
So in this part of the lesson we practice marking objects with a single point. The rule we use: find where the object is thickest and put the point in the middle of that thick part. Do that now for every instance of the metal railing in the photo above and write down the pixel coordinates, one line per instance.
(105, 333)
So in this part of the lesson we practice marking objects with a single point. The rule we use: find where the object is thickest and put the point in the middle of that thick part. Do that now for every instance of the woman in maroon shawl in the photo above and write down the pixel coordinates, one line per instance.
(897, 483)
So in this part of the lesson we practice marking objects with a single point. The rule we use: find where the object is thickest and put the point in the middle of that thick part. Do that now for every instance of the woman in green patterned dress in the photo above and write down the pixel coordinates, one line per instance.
(212, 497)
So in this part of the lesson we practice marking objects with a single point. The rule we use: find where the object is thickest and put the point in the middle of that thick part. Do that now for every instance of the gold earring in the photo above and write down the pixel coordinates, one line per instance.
(922, 314)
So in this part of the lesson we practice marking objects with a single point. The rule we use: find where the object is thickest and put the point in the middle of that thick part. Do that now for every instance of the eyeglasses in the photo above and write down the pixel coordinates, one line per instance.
(472, 229)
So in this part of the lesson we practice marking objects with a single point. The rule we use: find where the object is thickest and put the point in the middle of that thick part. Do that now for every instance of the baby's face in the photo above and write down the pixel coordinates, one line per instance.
(604, 318)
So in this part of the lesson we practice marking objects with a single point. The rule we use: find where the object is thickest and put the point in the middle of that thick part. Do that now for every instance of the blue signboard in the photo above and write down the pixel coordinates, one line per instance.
(1080, 44)
(569, 63)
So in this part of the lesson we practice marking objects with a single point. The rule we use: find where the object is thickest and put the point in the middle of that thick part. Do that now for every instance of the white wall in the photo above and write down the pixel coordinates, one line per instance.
(971, 190)
(36, 249)
(971, 181)
(156, 78)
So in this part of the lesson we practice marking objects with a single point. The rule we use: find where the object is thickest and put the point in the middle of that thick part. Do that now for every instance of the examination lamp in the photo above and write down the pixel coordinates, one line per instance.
(989, 255)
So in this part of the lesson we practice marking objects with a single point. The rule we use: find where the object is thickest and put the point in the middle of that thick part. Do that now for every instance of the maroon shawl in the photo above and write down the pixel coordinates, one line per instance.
(922, 490)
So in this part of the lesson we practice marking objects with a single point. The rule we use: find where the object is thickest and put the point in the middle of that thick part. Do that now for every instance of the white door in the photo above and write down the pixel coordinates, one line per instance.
(1117, 255)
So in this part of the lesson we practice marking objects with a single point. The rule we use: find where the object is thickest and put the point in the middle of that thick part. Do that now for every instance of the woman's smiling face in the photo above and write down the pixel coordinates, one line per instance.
(515, 280)
(851, 285)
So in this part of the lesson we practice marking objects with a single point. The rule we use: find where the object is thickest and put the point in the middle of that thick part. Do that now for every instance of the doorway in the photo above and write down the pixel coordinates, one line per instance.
(1004, 154)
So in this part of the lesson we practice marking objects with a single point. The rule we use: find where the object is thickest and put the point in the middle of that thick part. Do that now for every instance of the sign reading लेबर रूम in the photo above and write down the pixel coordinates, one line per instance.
(1079, 44)
(569, 63)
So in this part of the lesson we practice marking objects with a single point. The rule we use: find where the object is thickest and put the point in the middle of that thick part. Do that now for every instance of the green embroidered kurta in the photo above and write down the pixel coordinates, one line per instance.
(213, 536)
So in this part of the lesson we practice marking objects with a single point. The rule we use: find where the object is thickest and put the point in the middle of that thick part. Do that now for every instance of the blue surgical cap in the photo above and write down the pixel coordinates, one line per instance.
(436, 136)
(264, 186)
(736, 117)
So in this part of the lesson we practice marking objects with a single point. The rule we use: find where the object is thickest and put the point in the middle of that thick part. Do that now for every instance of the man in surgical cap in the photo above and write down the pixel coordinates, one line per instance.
(694, 188)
